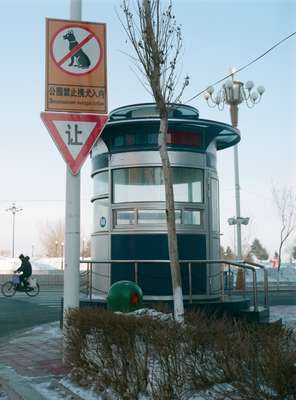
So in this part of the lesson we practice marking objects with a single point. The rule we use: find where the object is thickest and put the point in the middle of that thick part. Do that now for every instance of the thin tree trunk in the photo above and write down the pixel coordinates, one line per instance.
(279, 265)
(171, 222)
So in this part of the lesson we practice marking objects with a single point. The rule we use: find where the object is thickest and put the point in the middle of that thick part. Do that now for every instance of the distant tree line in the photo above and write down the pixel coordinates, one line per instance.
(52, 240)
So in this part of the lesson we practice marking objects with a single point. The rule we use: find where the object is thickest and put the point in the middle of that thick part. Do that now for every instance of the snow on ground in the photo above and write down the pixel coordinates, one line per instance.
(39, 264)
(8, 265)
(287, 313)
(44, 331)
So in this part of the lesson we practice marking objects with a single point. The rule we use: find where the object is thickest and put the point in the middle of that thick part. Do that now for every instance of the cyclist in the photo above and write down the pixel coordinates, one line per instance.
(25, 268)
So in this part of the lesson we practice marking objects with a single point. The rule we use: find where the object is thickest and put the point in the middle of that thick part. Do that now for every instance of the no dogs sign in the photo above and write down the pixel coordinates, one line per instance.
(76, 67)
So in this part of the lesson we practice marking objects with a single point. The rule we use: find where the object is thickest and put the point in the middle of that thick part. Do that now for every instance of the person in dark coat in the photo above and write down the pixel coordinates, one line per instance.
(25, 268)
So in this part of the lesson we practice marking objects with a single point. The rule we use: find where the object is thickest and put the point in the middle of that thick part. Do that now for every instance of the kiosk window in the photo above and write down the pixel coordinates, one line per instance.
(215, 205)
(101, 186)
(156, 216)
(147, 184)
(125, 217)
(192, 217)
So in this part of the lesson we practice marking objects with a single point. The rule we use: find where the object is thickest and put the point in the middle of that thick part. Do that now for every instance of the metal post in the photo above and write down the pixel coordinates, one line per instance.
(234, 123)
(266, 302)
(222, 281)
(72, 226)
(72, 239)
(190, 281)
(255, 291)
(237, 204)
(90, 281)
(136, 272)
(13, 230)
(87, 275)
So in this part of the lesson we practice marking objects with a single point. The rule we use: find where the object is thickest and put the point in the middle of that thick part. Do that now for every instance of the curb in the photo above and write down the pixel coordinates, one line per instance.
(17, 387)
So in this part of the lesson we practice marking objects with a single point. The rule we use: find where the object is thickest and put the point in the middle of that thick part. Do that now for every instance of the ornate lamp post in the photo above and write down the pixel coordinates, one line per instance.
(233, 93)
(14, 210)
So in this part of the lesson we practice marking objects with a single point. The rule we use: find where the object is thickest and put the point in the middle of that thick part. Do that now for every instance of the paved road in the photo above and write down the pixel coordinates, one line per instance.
(22, 312)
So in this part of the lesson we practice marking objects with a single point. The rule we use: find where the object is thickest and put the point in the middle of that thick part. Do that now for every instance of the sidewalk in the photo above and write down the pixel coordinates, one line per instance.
(31, 365)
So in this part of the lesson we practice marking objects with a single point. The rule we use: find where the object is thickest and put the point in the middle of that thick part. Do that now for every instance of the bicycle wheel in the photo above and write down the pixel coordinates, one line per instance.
(8, 289)
(32, 291)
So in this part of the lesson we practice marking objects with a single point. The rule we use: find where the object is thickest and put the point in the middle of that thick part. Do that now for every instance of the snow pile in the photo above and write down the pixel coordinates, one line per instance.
(151, 313)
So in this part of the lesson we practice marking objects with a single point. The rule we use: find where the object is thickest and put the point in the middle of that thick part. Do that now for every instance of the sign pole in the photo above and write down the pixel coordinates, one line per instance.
(72, 225)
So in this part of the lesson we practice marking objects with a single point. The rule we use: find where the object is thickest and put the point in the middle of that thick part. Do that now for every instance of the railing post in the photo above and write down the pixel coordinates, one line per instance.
(190, 282)
(210, 279)
(265, 289)
(255, 290)
(222, 281)
(136, 272)
(90, 281)
(87, 278)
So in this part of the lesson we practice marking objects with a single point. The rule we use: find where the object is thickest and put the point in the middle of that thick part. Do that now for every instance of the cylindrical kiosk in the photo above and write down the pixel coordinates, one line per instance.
(129, 216)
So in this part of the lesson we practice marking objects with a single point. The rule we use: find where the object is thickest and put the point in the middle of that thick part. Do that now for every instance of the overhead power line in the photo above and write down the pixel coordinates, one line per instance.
(244, 67)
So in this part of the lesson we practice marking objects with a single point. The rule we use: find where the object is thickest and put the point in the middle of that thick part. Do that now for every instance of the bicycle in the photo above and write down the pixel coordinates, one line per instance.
(9, 288)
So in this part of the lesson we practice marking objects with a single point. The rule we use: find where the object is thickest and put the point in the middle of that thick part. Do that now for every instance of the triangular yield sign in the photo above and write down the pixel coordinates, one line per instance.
(74, 135)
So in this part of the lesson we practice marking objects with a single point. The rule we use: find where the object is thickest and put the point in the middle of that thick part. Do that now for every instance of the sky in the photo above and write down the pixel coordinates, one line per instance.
(217, 34)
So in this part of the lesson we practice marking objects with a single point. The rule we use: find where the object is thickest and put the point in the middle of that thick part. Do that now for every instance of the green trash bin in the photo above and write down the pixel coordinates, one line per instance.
(124, 296)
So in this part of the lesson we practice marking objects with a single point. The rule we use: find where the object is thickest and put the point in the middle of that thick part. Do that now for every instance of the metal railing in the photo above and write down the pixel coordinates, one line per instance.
(87, 276)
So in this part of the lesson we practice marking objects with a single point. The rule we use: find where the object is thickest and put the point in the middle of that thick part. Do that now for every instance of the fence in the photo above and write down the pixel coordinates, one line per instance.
(89, 289)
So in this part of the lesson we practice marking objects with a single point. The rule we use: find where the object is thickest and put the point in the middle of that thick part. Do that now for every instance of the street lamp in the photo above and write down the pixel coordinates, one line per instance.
(233, 93)
(14, 210)
(238, 221)
(56, 248)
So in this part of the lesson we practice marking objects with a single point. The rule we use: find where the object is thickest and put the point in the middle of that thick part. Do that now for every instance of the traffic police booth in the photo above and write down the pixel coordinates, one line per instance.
(129, 219)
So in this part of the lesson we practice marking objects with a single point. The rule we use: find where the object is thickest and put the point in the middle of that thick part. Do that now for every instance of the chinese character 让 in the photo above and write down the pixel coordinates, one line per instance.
(73, 136)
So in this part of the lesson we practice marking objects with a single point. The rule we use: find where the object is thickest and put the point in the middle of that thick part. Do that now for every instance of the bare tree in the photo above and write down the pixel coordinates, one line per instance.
(157, 41)
(285, 202)
(85, 247)
(52, 238)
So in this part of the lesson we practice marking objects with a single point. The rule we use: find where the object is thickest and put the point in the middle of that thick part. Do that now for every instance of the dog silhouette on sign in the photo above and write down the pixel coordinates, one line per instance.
(80, 58)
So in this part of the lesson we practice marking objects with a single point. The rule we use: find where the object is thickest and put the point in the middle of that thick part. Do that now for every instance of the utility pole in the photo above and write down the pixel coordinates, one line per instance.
(13, 210)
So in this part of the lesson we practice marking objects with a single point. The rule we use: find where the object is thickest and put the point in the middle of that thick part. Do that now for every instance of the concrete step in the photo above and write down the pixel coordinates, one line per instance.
(261, 314)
